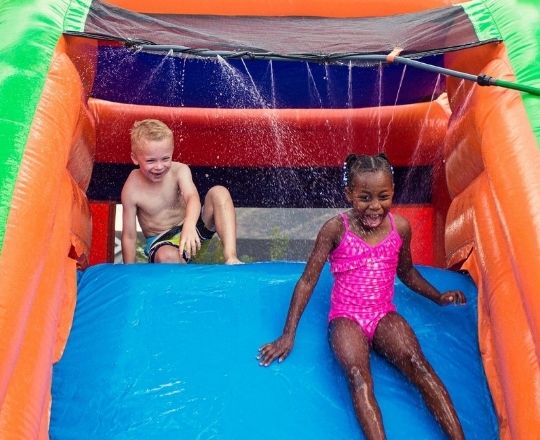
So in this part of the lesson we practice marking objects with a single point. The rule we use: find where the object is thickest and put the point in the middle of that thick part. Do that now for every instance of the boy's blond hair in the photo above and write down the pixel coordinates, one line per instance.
(149, 129)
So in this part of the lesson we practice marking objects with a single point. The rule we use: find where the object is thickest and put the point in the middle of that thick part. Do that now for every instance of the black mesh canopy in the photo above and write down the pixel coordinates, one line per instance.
(434, 30)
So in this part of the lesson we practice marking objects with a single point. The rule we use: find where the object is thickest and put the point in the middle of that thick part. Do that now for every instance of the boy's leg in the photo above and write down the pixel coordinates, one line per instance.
(219, 214)
(395, 340)
(168, 254)
(351, 349)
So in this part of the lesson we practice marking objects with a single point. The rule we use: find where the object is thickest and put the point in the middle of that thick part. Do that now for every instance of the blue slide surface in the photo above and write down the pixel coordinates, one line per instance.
(169, 352)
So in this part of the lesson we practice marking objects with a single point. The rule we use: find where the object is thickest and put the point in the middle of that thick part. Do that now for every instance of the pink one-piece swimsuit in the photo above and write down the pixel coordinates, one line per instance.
(364, 278)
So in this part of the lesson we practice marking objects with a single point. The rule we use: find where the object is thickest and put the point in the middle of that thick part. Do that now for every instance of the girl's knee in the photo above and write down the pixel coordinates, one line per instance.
(420, 364)
(413, 363)
(359, 378)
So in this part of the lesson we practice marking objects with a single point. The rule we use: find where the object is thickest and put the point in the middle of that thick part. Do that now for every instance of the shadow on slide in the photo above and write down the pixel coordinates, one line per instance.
(169, 352)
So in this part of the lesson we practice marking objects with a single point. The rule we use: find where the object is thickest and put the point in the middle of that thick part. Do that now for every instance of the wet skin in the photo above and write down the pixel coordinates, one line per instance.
(370, 194)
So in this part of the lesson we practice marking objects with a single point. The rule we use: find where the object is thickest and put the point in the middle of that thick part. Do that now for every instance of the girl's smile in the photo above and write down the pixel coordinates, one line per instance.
(370, 195)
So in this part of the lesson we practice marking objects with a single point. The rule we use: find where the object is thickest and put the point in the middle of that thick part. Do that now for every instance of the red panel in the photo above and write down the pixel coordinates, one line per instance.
(422, 220)
(409, 134)
(103, 215)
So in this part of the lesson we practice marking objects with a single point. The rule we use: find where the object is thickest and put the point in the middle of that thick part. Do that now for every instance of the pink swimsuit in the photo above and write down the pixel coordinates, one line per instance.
(364, 278)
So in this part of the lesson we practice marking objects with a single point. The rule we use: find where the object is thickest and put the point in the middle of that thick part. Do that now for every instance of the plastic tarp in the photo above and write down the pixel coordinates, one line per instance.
(168, 351)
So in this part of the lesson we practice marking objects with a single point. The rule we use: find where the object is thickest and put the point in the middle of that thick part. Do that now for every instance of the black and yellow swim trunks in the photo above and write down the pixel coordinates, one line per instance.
(172, 238)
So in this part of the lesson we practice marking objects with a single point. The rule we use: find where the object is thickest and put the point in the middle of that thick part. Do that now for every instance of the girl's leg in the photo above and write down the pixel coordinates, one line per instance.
(219, 213)
(395, 340)
(351, 348)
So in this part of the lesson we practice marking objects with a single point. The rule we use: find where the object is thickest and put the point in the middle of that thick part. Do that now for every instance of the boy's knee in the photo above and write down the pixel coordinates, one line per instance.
(167, 254)
(219, 193)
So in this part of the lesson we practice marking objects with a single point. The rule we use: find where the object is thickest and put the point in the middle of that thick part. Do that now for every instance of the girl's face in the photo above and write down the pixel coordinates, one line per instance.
(370, 195)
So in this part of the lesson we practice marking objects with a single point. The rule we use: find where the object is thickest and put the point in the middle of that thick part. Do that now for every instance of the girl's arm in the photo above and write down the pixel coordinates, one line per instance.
(326, 240)
(410, 276)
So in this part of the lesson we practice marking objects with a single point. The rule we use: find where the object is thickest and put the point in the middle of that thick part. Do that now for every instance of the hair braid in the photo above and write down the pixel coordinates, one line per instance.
(360, 163)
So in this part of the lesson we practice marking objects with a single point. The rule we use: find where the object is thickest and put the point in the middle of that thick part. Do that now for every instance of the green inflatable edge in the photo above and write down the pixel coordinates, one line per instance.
(30, 31)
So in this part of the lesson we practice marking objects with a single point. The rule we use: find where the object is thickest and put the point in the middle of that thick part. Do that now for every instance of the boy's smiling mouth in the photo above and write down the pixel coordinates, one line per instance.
(158, 175)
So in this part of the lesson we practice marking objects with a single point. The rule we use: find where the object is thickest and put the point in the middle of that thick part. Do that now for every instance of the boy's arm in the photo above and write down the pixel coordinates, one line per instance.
(129, 230)
(189, 240)
(413, 279)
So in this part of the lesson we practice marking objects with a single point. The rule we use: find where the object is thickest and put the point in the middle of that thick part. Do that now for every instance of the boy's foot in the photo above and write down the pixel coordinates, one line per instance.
(233, 260)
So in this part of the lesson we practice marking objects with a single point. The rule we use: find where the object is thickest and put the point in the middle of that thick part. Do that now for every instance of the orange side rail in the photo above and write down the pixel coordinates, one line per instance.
(47, 232)
(493, 169)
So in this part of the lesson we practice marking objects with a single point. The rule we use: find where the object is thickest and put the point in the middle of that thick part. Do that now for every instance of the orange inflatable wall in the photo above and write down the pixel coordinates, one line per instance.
(492, 230)
(491, 226)
(44, 254)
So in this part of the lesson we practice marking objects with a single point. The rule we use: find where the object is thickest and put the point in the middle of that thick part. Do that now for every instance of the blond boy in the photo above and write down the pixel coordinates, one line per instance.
(161, 194)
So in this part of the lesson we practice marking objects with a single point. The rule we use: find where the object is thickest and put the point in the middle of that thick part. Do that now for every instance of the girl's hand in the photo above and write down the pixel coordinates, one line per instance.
(452, 297)
(279, 349)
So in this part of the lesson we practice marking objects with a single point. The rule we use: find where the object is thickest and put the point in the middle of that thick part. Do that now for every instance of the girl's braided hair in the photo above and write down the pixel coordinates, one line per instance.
(360, 163)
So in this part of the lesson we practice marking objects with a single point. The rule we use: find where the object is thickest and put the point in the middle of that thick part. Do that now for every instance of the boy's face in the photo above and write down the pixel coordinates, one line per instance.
(154, 158)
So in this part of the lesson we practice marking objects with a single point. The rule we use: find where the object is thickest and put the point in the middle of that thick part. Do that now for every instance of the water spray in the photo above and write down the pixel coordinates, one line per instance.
(393, 57)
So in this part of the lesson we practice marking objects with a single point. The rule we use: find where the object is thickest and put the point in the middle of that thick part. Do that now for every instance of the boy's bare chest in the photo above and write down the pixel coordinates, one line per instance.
(157, 200)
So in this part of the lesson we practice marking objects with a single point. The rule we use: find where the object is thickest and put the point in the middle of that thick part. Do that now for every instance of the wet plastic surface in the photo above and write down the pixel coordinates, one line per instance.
(169, 351)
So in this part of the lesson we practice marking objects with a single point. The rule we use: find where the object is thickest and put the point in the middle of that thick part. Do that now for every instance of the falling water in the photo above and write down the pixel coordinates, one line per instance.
(263, 102)
(349, 130)
(329, 84)
(281, 148)
(389, 125)
(120, 69)
(349, 86)
(457, 113)
(156, 71)
(408, 185)
(272, 83)
(280, 145)
(240, 94)
(379, 107)
(182, 81)
(174, 86)
(312, 85)
(241, 87)
(468, 93)
(425, 121)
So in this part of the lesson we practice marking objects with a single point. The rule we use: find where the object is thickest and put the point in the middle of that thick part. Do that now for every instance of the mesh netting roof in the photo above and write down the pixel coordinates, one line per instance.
(427, 31)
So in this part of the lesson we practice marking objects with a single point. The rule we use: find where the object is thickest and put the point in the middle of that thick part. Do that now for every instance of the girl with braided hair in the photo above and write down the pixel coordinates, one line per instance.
(367, 247)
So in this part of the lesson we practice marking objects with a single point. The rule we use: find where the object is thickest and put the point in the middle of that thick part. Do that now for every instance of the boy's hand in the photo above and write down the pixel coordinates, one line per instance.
(279, 349)
(190, 242)
(452, 297)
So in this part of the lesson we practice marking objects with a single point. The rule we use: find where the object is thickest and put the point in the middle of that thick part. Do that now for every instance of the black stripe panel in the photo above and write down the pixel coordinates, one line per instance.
(310, 187)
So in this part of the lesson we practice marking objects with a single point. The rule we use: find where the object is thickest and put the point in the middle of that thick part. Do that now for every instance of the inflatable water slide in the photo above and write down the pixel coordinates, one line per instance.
(266, 98)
